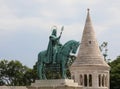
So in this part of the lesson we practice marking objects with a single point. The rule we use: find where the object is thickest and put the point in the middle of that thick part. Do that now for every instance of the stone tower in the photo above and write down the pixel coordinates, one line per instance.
(89, 69)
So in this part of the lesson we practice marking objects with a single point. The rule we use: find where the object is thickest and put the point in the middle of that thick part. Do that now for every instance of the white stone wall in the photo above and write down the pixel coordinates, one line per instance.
(97, 77)
(13, 87)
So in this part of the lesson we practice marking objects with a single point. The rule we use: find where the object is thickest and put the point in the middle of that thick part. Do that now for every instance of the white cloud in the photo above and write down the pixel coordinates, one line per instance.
(5, 11)
(99, 29)
(76, 2)
(114, 16)
(43, 14)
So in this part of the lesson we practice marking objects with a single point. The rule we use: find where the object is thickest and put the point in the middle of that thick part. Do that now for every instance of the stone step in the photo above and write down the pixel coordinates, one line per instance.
(55, 82)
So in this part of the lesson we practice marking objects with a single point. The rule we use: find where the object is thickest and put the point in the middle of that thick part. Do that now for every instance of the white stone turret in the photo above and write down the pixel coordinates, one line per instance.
(89, 69)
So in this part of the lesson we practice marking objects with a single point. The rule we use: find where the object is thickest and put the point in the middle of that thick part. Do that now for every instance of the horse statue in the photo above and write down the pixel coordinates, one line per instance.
(62, 58)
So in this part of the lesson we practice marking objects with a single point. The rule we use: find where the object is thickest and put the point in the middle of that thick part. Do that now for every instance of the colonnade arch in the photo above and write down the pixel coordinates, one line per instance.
(85, 80)
(102, 80)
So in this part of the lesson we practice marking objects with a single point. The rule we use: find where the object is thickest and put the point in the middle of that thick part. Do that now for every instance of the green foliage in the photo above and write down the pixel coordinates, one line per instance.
(115, 74)
(15, 74)
(104, 50)
(34, 72)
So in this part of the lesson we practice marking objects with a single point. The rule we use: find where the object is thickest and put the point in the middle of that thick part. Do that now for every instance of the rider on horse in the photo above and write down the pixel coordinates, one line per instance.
(53, 47)
(55, 53)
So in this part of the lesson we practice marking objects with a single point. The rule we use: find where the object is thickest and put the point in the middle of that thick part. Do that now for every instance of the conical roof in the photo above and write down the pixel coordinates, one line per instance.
(89, 52)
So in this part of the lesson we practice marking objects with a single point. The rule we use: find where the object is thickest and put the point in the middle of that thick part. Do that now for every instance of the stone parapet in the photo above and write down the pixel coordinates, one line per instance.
(13, 87)
(55, 84)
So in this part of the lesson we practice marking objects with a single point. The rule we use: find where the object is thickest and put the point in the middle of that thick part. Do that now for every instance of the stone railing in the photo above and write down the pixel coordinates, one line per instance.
(13, 87)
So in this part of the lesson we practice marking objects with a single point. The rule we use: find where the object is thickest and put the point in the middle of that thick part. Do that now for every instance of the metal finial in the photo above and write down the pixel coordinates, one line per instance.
(62, 28)
(88, 9)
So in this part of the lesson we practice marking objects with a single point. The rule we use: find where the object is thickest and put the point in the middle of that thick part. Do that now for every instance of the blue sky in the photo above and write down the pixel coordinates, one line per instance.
(25, 25)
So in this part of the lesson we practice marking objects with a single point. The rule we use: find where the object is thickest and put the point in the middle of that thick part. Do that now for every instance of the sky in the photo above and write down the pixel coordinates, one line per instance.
(25, 25)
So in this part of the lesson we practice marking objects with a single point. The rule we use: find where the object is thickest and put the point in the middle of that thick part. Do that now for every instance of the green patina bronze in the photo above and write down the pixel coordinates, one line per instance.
(57, 56)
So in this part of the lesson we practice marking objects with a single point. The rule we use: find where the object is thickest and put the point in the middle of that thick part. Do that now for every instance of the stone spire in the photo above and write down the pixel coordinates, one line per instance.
(89, 52)
(89, 69)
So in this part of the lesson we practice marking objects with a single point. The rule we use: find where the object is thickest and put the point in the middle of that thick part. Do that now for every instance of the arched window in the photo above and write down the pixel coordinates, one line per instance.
(99, 80)
(90, 42)
(81, 79)
(85, 80)
(90, 80)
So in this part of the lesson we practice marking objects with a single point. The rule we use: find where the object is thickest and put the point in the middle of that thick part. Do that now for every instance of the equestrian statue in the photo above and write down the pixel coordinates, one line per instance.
(57, 57)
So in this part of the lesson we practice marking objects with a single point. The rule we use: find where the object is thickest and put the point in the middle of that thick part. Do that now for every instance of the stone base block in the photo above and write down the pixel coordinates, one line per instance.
(63, 87)
(55, 84)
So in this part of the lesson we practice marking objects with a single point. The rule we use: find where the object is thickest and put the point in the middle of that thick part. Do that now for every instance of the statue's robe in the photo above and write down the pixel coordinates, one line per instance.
(49, 52)
(53, 46)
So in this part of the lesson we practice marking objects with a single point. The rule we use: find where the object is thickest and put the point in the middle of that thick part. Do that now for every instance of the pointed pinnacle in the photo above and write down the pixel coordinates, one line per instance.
(88, 9)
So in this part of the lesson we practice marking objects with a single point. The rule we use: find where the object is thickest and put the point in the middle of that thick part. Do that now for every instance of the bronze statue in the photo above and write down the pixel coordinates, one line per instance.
(53, 46)
(56, 56)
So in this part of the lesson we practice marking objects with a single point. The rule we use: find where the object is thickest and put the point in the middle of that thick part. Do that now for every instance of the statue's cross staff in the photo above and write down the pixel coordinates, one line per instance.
(61, 30)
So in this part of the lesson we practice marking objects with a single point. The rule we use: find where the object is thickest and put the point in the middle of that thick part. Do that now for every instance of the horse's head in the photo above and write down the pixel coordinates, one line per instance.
(75, 46)
(70, 46)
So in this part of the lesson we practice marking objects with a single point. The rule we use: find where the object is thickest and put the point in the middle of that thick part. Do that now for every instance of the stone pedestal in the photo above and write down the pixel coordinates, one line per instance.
(55, 84)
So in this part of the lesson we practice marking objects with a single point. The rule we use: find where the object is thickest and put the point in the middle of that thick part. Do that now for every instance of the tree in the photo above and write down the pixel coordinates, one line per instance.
(115, 74)
(15, 74)
(3, 72)
(104, 49)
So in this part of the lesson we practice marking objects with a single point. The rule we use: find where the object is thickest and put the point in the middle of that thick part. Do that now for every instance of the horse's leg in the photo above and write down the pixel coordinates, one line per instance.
(44, 75)
(40, 68)
(63, 70)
